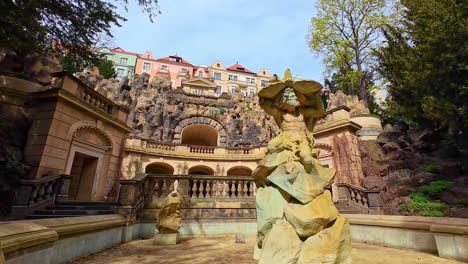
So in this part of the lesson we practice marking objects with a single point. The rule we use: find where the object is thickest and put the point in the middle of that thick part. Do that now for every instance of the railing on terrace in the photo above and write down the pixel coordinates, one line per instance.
(183, 148)
(366, 199)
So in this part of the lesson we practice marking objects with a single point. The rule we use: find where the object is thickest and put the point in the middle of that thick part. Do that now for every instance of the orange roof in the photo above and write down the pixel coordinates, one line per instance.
(120, 50)
(239, 68)
(195, 68)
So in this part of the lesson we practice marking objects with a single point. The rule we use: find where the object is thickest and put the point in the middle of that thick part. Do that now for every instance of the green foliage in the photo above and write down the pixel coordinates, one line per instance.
(425, 61)
(430, 168)
(463, 202)
(417, 206)
(106, 68)
(435, 206)
(404, 208)
(435, 187)
(433, 214)
(69, 64)
(345, 33)
(419, 197)
(40, 26)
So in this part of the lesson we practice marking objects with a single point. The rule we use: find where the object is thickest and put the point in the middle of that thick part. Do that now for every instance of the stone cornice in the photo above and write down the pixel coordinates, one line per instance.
(24, 234)
(340, 124)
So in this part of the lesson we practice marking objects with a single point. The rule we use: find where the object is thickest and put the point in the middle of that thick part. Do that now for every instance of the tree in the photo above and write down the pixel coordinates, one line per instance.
(345, 33)
(425, 61)
(39, 26)
(106, 68)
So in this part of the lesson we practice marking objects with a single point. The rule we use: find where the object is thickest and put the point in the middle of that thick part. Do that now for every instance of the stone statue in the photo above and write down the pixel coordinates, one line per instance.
(296, 218)
(169, 218)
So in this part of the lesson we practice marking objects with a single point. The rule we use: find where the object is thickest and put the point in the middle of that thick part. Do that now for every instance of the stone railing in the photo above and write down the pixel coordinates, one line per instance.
(34, 194)
(201, 149)
(161, 145)
(366, 200)
(139, 144)
(101, 103)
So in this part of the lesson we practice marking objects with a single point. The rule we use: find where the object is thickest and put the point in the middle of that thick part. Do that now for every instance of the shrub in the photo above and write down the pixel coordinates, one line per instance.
(430, 168)
(419, 197)
(435, 206)
(463, 202)
(417, 206)
(433, 213)
(435, 187)
(404, 207)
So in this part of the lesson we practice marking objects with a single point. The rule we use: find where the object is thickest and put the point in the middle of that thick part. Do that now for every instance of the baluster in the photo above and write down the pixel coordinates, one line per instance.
(358, 197)
(157, 189)
(224, 188)
(164, 188)
(194, 188)
(239, 189)
(254, 189)
(245, 190)
(364, 199)
(233, 189)
(353, 195)
(208, 189)
(40, 193)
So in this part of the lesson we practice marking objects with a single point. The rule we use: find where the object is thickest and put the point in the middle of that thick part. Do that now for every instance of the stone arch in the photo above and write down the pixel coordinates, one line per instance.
(159, 168)
(201, 120)
(201, 170)
(202, 135)
(239, 171)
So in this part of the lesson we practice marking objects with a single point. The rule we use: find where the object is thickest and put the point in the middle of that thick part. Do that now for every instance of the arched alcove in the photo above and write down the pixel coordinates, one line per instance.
(239, 171)
(201, 135)
(201, 120)
(159, 168)
(201, 170)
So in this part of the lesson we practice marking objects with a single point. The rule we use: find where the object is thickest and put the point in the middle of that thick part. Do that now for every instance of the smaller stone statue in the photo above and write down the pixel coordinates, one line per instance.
(169, 219)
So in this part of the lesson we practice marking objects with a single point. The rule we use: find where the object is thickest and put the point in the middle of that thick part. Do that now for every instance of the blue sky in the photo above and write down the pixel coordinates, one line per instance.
(257, 33)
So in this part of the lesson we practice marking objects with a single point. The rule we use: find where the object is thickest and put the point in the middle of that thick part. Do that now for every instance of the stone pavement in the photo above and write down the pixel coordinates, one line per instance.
(224, 250)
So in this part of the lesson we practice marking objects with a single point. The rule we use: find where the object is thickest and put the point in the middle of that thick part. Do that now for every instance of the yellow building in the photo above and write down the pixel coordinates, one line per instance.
(237, 77)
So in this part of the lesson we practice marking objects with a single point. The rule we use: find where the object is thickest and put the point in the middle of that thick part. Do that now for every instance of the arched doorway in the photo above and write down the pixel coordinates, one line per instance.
(159, 168)
(239, 171)
(200, 170)
(88, 160)
(200, 135)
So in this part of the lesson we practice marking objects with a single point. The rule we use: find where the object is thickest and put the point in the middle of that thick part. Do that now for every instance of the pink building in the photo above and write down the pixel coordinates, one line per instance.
(176, 68)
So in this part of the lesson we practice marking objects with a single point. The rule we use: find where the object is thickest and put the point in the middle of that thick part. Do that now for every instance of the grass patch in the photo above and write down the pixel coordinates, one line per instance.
(419, 197)
(435, 187)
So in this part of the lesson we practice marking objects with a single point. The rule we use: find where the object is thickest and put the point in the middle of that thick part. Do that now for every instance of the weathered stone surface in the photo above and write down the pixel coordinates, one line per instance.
(170, 217)
(281, 245)
(331, 245)
(309, 219)
(390, 146)
(374, 182)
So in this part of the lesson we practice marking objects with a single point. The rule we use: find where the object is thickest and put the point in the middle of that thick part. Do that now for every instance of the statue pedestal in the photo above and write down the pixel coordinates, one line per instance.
(166, 239)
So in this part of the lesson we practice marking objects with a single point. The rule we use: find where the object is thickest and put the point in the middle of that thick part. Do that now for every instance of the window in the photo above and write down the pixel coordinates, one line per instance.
(181, 81)
(146, 66)
(218, 89)
(120, 72)
(164, 67)
(173, 59)
(184, 70)
(252, 90)
(264, 83)
(250, 80)
(217, 76)
(218, 65)
(232, 77)
(123, 61)
(233, 89)
(200, 73)
(264, 73)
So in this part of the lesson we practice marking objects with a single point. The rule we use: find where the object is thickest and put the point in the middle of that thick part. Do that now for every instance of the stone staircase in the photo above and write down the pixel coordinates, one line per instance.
(73, 209)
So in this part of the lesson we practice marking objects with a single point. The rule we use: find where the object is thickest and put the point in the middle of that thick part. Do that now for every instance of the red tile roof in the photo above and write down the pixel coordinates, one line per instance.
(240, 68)
(120, 50)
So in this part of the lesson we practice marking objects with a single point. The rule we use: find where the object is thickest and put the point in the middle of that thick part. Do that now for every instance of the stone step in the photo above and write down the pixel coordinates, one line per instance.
(86, 203)
(73, 212)
(79, 207)
(48, 216)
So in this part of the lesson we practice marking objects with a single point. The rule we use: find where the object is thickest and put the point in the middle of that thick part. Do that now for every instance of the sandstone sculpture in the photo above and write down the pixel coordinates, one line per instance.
(169, 219)
(297, 220)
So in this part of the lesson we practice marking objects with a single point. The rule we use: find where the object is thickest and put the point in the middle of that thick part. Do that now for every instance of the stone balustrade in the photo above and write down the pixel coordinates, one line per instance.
(34, 194)
(367, 200)
(139, 144)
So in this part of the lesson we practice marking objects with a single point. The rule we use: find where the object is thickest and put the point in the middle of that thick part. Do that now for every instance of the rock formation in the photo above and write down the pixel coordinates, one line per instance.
(296, 219)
